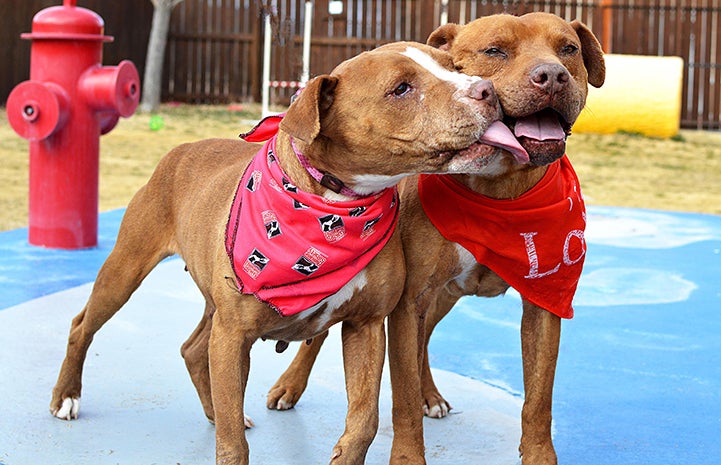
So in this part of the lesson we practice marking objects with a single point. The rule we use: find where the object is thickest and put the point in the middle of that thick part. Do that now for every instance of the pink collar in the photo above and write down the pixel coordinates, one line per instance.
(268, 127)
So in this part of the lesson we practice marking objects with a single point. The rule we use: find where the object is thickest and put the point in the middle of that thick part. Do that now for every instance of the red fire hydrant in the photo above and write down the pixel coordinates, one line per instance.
(69, 101)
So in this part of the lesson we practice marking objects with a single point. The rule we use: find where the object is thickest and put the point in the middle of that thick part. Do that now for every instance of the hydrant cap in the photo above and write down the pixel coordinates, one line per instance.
(68, 22)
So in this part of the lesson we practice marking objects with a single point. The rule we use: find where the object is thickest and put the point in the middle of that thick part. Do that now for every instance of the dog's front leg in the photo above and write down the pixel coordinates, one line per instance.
(540, 336)
(229, 354)
(406, 337)
(363, 354)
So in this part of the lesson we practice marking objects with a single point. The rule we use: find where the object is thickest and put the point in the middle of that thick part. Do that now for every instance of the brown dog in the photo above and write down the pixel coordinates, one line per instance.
(344, 144)
(540, 66)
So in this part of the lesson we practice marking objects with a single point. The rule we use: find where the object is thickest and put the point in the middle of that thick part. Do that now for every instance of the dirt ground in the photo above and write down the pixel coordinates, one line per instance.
(681, 174)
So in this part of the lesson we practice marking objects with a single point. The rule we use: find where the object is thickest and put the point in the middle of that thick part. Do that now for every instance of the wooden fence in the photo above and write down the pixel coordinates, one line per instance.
(128, 21)
(214, 50)
(215, 45)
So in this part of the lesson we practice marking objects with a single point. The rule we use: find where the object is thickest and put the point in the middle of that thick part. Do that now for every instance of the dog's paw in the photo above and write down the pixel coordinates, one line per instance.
(436, 407)
(248, 422)
(68, 409)
(437, 411)
(281, 398)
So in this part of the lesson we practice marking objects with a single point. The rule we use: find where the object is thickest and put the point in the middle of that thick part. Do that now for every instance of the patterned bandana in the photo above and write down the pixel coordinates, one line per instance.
(535, 243)
(292, 249)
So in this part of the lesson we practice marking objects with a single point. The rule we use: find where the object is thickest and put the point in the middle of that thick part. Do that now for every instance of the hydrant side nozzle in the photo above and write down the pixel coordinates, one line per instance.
(115, 88)
(37, 110)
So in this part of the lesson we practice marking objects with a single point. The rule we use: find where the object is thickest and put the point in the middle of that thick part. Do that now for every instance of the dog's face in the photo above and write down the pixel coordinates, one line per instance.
(397, 110)
(540, 66)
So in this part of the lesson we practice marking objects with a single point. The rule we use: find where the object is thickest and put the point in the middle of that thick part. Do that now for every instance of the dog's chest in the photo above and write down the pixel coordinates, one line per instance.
(535, 243)
(473, 278)
(369, 294)
(299, 252)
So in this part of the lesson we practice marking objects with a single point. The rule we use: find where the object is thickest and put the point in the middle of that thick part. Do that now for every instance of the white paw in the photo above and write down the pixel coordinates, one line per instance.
(437, 411)
(69, 409)
(283, 405)
(248, 421)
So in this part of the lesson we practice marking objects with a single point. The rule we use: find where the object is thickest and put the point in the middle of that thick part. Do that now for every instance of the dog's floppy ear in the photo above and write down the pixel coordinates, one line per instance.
(444, 36)
(592, 54)
(302, 121)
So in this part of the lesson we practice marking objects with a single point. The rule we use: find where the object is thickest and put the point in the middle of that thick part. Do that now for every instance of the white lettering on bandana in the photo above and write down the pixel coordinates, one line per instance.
(535, 243)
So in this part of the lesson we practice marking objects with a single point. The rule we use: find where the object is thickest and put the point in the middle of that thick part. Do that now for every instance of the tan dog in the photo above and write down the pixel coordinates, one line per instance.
(376, 118)
(540, 66)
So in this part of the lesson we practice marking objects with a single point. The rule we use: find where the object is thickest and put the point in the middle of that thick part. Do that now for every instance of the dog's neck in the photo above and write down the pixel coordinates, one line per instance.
(300, 175)
(510, 185)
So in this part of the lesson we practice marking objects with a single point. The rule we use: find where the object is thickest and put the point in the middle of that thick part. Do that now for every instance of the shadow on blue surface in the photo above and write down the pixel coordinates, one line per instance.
(28, 272)
(639, 375)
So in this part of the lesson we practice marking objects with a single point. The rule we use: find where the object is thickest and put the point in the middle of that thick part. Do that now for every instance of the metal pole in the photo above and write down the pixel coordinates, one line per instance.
(306, 42)
(266, 68)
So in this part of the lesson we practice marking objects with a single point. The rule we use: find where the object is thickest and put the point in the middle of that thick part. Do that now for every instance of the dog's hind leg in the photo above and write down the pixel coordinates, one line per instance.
(140, 246)
(286, 392)
(434, 404)
(540, 336)
(195, 354)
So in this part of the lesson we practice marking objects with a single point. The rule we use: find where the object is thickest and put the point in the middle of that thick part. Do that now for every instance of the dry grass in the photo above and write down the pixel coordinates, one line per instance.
(620, 170)
(683, 174)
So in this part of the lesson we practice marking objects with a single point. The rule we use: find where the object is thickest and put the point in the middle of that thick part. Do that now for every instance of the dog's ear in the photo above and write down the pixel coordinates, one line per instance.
(444, 36)
(592, 54)
(302, 121)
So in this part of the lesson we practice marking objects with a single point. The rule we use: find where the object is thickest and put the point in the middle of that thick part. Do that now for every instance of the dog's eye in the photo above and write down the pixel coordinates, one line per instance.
(569, 49)
(494, 52)
(402, 89)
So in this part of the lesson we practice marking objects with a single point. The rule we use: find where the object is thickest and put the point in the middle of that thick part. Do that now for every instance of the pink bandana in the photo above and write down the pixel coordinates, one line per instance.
(535, 243)
(292, 249)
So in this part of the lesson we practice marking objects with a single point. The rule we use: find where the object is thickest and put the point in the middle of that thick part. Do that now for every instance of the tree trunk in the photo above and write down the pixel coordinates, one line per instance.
(152, 79)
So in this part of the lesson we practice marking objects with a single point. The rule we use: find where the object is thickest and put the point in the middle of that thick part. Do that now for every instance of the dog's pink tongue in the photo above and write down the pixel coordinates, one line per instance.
(540, 126)
(498, 135)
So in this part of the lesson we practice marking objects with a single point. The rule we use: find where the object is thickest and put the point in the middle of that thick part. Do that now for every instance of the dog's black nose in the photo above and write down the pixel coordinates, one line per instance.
(550, 77)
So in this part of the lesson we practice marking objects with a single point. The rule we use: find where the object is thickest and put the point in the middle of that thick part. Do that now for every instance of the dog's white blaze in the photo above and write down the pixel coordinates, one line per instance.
(461, 81)
(345, 293)
(371, 183)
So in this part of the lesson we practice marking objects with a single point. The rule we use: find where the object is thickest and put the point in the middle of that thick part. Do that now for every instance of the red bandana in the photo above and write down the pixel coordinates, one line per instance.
(292, 249)
(535, 243)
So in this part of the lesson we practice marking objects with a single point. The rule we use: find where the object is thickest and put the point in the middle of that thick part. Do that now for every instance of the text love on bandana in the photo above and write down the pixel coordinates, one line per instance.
(535, 243)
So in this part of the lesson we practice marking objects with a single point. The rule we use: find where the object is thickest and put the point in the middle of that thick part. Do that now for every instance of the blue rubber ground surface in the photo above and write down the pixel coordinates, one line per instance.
(638, 382)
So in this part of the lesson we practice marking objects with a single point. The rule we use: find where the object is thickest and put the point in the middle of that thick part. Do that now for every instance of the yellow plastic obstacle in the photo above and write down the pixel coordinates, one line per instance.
(642, 94)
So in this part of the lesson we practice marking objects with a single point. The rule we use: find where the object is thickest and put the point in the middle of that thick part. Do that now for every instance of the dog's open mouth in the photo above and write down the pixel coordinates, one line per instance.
(542, 135)
(496, 136)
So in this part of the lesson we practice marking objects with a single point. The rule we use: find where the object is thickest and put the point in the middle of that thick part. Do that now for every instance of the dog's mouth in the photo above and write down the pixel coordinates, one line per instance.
(497, 136)
(542, 134)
